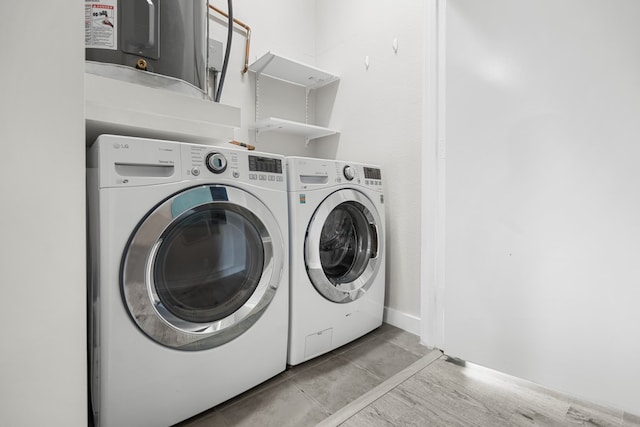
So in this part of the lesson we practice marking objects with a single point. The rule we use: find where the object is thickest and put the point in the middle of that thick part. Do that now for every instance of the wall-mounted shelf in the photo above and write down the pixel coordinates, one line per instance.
(279, 67)
(296, 73)
(293, 128)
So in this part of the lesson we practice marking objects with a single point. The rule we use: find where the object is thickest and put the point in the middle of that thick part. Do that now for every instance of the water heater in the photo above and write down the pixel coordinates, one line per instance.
(153, 42)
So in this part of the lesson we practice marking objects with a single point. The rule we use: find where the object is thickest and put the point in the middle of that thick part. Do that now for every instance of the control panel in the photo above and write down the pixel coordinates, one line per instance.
(372, 176)
(372, 173)
(358, 174)
(265, 170)
(130, 161)
(309, 173)
(265, 164)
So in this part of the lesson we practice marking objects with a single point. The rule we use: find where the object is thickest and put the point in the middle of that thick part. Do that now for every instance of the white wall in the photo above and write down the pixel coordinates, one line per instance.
(379, 114)
(543, 200)
(42, 256)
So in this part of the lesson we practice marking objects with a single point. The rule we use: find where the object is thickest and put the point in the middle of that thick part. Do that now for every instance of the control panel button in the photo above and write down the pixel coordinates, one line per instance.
(349, 173)
(216, 162)
(195, 171)
(236, 174)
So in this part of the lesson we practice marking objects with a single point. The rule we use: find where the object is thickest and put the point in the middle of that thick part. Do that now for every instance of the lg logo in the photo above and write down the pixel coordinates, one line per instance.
(117, 146)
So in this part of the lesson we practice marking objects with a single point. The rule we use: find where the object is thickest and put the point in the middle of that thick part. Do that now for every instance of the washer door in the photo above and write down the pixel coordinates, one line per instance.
(202, 267)
(342, 246)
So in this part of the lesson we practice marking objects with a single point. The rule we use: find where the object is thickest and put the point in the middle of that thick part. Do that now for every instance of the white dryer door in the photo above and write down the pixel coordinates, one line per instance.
(342, 246)
(202, 267)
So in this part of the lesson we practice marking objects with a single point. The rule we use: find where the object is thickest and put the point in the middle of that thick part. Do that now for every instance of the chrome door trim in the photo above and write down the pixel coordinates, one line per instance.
(137, 281)
(348, 291)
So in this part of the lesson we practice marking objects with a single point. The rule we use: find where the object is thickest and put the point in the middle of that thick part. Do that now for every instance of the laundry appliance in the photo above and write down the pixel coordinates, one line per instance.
(188, 295)
(337, 254)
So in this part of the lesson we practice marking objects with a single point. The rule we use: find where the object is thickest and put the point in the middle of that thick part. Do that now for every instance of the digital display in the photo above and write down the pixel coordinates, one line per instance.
(265, 164)
(372, 173)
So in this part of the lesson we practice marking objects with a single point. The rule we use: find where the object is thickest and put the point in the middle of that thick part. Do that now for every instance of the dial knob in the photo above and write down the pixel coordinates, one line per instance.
(349, 173)
(216, 162)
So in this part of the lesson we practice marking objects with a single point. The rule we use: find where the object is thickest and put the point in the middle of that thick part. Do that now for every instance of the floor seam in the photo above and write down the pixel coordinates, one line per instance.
(344, 361)
(364, 368)
(348, 411)
(311, 398)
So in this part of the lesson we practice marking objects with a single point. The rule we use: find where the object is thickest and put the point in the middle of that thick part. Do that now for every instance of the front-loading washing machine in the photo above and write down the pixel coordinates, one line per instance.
(188, 294)
(337, 254)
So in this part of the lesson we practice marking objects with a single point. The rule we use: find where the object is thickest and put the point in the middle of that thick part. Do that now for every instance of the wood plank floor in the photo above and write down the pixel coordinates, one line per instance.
(306, 394)
(450, 393)
(387, 378)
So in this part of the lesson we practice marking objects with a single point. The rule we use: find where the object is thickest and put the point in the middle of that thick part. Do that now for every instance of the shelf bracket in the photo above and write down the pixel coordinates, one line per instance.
(306, 106)
(257, 104)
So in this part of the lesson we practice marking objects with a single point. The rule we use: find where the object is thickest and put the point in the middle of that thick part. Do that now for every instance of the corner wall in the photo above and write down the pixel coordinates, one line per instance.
(42, 257)
(379, 112)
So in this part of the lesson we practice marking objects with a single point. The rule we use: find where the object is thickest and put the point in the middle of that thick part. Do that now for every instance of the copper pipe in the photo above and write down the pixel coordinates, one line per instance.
(247, 29)
(242, 144)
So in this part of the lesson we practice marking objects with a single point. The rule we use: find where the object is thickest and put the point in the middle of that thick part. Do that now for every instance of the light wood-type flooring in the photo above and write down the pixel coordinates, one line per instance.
(388, 379)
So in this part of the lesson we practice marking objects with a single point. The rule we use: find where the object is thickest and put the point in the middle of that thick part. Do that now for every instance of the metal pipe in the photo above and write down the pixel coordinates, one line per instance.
(246, 28)
(227, 50)
(242, 144)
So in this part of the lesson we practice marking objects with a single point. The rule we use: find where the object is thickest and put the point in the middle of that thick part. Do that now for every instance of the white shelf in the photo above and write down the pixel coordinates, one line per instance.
(297, 73)
(119, 107)
(279, 67)
(294, 128)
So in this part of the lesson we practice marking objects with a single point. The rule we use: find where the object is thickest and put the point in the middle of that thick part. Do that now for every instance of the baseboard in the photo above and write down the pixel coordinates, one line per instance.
(399, 319)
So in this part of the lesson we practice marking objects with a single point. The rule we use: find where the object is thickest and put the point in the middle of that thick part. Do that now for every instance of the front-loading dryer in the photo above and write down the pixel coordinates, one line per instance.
(337, 254)
(188, 294)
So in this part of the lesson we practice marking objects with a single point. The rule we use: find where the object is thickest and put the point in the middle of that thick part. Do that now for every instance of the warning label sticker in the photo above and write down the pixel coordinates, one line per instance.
(100, 26)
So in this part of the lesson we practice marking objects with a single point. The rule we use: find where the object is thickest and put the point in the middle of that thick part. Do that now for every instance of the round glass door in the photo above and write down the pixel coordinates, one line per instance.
(341, 249)
(202, 267)
(208, 263)
(346, 243)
